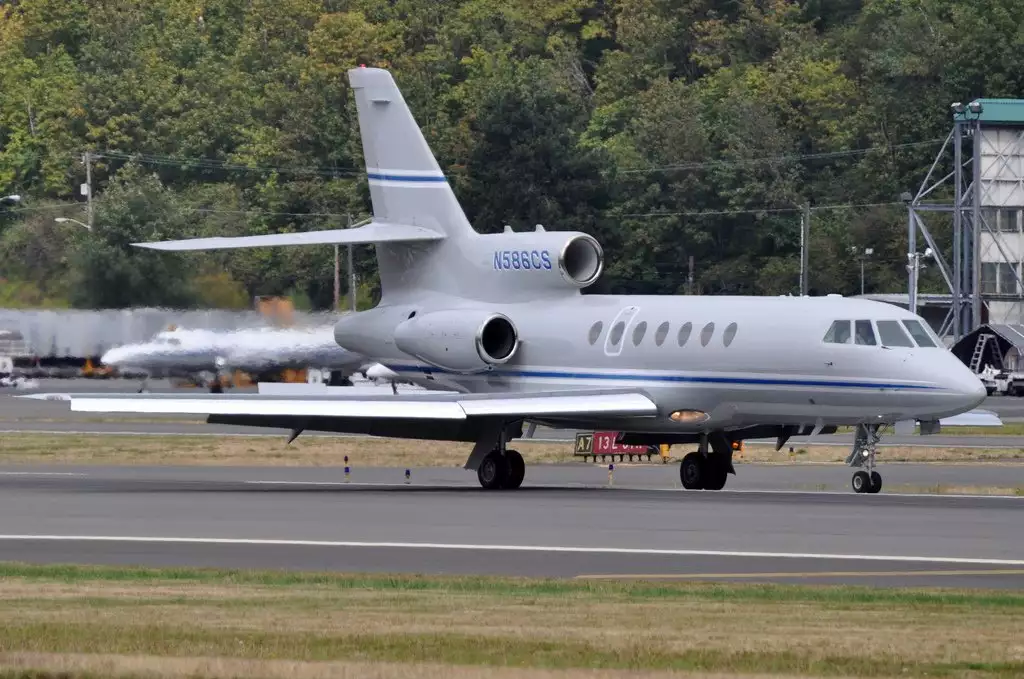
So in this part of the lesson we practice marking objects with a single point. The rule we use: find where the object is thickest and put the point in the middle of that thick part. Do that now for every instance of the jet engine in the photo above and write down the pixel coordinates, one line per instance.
(460, 340)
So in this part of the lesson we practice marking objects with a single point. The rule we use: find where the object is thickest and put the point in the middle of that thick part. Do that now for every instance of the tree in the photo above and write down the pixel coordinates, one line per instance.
(107, 271)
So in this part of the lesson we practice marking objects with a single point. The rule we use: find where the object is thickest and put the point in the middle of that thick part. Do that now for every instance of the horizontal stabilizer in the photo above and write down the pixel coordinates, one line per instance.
(422, 406)
(374, 232)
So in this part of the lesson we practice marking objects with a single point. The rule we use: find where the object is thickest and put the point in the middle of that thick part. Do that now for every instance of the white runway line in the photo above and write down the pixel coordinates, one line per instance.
(41, 473)
(513, 548)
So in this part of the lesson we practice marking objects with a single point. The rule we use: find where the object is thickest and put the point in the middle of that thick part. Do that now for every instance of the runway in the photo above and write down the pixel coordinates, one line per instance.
(442, 523)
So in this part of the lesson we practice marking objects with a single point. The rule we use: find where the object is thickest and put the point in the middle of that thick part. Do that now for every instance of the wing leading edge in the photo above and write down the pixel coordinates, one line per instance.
(374, 232)
(441, 407)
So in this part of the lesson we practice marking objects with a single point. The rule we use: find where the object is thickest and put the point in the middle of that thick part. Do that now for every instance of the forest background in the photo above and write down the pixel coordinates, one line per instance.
(666, 128)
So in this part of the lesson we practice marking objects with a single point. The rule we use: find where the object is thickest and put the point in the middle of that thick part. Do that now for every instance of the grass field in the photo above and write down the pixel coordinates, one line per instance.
(83, 621)
(376, 452)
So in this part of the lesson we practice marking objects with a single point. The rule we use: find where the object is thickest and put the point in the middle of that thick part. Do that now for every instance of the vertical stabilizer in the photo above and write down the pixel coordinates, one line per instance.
(406, 183)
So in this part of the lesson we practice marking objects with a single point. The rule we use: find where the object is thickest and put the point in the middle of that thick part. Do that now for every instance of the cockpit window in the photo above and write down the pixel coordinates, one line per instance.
(919, 334)
(839, 333)
(892, 335)
(864, 333)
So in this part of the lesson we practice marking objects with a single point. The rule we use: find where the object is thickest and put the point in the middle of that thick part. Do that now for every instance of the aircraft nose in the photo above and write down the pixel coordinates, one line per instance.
(969, 387)
(112, 356)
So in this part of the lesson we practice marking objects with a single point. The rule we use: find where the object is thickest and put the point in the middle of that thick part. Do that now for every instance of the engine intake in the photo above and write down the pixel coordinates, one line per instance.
(460, 340)
(581, 260)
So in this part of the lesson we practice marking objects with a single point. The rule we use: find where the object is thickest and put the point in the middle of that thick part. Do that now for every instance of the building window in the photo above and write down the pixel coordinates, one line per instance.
(661, 333)
(595, 332)
(1007, 221)
(1007, 278)
(988, 278)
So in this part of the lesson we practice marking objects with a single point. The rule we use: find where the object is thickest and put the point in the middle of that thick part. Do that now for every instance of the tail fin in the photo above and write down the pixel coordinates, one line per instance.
(406, 183)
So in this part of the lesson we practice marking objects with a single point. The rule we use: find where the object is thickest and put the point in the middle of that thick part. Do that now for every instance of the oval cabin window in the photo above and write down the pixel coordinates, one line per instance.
(684, 333)
(729, 335)
(661, 333)
(638, 332)
(706, 333)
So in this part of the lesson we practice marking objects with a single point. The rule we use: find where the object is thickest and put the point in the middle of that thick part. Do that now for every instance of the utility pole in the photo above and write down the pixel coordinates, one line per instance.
(805, 231)
(351, 273)
(337, 279)
(87, 187)
(689, 278)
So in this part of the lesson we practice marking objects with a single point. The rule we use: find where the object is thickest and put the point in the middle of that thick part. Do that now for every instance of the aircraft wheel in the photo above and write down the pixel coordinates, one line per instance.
(493, 471)
(876, 482)
(861, 482)
(691, 471)
(516, 469)
(715, 474)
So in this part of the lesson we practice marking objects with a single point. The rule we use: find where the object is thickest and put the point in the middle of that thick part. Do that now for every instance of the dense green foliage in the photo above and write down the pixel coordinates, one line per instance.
(234, 117)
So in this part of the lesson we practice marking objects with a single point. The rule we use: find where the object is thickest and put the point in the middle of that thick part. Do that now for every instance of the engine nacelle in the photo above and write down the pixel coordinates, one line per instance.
(547, 257)
(461, 340)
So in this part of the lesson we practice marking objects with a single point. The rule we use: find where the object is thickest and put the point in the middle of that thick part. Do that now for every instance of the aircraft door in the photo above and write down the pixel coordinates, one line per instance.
(618, 330)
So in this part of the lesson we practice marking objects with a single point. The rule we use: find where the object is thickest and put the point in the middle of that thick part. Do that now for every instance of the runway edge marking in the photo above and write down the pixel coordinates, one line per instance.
(511, 548)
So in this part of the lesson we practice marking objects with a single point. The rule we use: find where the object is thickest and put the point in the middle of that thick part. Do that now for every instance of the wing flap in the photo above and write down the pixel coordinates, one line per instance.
(423, 406)
(374, 232)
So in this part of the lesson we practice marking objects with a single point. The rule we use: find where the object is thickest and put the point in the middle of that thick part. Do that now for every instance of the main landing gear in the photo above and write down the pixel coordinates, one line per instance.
(700, 470)
(498, 471)
(865, 444)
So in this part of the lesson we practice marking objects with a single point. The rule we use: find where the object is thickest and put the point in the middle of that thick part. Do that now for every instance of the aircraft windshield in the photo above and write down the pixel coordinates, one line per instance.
(919, 334)
(892, 334)
(889, 333)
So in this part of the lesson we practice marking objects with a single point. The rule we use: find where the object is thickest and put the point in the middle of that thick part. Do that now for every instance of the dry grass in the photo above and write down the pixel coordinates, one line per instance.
(199, 623)
(378, 452)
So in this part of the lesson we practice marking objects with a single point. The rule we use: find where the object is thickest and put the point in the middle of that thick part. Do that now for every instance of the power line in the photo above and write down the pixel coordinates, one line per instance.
(698, 165)
(214, 164)
(719, 213)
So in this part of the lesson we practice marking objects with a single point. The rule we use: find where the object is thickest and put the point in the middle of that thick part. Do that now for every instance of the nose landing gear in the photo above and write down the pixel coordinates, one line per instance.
(863, 455)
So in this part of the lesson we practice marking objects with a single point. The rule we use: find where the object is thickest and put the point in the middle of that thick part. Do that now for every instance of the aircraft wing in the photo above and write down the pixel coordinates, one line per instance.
(374, 232)
(446, 406)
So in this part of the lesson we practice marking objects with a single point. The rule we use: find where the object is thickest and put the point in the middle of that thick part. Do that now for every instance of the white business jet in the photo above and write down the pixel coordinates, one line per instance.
(498, 322)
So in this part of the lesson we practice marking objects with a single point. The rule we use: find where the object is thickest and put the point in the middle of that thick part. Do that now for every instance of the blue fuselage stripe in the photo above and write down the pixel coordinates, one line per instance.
(406, 178)
(692, 379)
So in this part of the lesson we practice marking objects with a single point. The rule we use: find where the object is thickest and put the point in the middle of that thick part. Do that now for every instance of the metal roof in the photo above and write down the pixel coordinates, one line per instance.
(994, 111)
(1012, 333)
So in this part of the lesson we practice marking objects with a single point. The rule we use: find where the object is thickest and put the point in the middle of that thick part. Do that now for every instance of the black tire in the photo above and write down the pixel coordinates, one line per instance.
(691, 471)
(715, 474)
(876, 482)
(493, 471)
(516, 469)
(861, 482)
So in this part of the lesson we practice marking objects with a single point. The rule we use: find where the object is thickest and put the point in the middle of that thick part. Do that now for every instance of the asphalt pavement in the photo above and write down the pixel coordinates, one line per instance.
(314, 520)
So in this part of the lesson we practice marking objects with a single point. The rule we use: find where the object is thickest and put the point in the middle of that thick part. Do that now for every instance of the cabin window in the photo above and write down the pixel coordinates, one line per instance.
(729, 334)
(864, 333)
(706, 333)
(839, 333)
(638, 332)
(595, 332)
(684, 333)
(892, 335)
(661, 333)
(616, 333)
(919, 334)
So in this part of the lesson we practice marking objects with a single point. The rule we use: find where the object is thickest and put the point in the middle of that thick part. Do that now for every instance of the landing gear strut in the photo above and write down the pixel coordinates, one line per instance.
(865, 444)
